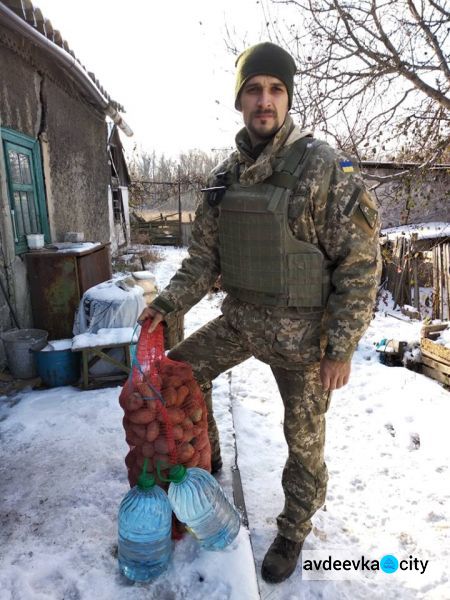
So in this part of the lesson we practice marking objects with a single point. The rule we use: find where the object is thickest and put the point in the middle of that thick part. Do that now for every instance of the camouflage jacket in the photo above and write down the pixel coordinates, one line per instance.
(330, 208)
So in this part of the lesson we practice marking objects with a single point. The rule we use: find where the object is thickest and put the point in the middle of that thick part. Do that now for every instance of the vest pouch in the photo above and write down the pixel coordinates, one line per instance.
(305, 279)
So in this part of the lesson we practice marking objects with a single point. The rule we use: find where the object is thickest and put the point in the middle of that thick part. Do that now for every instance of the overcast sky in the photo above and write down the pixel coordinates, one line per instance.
(166, 62)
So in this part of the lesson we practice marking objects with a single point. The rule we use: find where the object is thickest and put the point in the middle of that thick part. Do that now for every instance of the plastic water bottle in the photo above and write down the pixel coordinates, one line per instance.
(199, 502)
(145, 528)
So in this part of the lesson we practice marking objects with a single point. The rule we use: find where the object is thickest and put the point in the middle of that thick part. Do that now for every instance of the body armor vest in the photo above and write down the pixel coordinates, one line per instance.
(261, 260)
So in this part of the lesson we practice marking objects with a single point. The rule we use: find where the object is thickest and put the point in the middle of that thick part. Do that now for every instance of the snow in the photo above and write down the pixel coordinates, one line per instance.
(444, 338)
(110, 291)
(387, 453)
(74, 247)
(144, 275)
(58, 345)
(105, 337)
(424, 231)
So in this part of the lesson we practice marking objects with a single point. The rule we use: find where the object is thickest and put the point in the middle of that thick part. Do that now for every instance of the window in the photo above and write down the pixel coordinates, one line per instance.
(25, 187)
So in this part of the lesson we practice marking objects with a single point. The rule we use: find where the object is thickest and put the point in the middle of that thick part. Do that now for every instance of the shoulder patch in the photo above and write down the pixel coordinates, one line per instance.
(346, 166)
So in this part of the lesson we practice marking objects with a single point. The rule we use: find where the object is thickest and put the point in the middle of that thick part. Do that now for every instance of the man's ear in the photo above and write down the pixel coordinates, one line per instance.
(238, 104)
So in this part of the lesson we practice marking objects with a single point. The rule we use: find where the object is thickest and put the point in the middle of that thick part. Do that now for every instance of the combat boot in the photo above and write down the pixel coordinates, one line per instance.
(280, 560)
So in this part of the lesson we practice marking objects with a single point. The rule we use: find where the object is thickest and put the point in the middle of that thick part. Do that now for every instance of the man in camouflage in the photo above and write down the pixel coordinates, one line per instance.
(291, 229)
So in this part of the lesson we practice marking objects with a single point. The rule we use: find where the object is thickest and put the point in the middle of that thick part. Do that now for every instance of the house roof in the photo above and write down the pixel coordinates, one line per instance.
(33, 16)
(379, 164)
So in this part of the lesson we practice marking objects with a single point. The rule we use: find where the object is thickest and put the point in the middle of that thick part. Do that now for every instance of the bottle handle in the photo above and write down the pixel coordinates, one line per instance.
(161, 465)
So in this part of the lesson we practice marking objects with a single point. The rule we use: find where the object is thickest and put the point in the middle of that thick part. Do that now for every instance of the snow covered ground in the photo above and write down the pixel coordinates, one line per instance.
(62, 477)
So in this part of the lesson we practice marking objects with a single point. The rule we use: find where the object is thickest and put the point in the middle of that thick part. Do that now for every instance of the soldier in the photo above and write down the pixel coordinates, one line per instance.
(289, 226)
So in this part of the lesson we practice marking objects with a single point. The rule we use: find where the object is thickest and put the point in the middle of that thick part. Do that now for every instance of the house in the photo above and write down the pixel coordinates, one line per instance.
(61, 167)
(407, 194)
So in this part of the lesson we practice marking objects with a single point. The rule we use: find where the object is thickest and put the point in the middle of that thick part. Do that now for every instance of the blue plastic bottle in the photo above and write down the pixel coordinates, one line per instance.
(199, 502)
(145, 528)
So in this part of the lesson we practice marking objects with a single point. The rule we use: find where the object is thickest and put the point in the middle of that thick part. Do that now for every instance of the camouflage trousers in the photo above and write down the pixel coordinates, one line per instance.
(221, 345)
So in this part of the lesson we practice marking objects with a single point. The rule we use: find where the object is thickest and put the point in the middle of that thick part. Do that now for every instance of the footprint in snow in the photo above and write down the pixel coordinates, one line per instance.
(390, 428)
(414, 443)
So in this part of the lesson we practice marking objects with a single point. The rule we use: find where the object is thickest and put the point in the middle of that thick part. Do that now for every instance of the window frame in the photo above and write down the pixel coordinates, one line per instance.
(19, 142)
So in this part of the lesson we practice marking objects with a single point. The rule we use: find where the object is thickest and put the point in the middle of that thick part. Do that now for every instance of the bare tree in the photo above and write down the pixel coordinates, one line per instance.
(373, 75)
(155, 179)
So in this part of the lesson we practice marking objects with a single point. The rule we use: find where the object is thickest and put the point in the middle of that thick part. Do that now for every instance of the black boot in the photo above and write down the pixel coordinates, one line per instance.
(280, 560)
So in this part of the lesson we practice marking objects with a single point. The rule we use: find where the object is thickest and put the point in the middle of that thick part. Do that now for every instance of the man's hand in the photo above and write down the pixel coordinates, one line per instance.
(334, 374)
(154, 315)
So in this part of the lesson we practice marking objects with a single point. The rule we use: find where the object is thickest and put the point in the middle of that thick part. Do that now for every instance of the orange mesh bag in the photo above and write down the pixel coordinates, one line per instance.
(165, 413)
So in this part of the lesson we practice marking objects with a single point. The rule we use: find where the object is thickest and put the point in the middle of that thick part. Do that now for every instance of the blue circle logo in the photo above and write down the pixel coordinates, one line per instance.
(389, 564)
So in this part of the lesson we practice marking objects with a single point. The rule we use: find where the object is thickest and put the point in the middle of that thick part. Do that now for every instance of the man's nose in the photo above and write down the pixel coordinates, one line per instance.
(265, 99)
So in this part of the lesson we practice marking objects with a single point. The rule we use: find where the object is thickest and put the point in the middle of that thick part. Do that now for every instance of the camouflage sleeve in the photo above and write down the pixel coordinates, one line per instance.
(199, 270)
(346, 222)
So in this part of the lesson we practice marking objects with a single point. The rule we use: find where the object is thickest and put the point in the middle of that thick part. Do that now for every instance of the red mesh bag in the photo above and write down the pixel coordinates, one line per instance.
(165, 413)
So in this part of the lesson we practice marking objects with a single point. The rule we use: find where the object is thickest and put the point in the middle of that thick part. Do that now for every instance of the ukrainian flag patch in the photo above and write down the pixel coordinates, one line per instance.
(346, 166)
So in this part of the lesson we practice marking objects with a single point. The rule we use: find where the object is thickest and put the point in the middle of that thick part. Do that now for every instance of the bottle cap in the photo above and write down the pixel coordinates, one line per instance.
(146, 480)
(177, 473)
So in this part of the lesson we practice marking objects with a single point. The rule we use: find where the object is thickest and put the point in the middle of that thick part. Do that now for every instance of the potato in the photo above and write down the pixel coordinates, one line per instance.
(193, 387)
(201, 441)
(187, 423)
(132, 439)
(139, 459)
(147, 450)
(130, 458)
(182, 394)
(204, 461)
(197, 430)
(177, 433)
(188, 435)
(161, 445)
(152, 431)
(171, 415)
(196, 414)
(185, 452)
(173, 381)
(133, 402)
(170, 396)
(145, 390)
(193, 462)
(142, 416)
(139, 430)
(171, 368)
(151, 404)
(156, 381)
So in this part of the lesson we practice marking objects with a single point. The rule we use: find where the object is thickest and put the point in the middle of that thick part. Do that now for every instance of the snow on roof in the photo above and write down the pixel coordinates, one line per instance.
(424, 231)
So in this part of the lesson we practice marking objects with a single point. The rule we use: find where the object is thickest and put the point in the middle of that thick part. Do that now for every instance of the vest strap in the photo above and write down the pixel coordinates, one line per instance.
(283, 180)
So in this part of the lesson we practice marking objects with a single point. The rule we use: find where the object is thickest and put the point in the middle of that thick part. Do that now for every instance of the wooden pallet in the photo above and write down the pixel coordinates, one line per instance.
(435, 357)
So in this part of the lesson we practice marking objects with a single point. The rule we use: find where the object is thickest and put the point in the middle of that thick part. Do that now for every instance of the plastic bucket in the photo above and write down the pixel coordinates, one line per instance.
(18, 343)
(35, 241)
(57, 367)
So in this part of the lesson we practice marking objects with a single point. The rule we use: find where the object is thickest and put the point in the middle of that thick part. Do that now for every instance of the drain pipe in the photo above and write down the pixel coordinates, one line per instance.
(67, 62)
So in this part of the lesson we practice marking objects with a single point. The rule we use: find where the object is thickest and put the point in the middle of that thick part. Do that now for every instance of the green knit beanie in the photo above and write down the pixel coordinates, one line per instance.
(265, 59)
